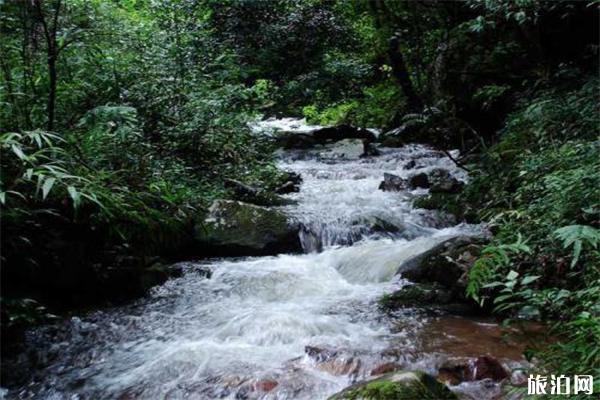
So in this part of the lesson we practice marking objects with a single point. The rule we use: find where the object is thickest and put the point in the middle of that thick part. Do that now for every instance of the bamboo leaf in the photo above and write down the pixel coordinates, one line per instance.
(48, 183)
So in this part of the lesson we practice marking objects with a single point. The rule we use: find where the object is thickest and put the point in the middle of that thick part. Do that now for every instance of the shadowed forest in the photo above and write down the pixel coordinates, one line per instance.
(244, 161)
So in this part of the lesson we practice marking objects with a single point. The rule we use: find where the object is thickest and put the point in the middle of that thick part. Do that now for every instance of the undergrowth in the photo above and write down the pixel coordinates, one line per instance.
(538, 188)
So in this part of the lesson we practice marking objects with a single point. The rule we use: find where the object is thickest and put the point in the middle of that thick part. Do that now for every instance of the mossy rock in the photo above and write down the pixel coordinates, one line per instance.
(234, 228)
(418, 295)
(410, 385)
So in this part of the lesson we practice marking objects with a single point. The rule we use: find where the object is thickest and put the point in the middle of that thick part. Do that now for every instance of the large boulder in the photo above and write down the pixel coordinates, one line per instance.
(412, 267)
(234, 228)
(407, 385)
(428, 297)
(438, 180)
(420, 180)
(446, 264)
(296, 141)
(349, 149)
(340, 132)
(331, 134)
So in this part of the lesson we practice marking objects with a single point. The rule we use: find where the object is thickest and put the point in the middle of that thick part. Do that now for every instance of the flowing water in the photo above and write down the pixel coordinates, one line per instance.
(284, 327)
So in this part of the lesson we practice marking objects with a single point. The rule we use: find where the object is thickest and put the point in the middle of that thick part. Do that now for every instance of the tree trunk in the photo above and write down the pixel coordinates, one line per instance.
(52, 89)
(52, 51)
(400, 72)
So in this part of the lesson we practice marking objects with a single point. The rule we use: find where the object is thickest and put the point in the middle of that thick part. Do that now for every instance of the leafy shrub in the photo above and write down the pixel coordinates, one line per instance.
(540, 182)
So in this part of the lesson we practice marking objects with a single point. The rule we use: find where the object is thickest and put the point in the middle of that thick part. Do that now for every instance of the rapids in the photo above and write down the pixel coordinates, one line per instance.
(244, 332)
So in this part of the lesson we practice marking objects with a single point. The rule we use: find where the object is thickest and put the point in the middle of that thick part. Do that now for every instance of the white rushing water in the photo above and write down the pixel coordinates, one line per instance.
(244, 332)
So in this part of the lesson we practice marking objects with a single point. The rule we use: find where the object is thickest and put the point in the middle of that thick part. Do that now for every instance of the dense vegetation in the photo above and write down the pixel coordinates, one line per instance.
(121, 121)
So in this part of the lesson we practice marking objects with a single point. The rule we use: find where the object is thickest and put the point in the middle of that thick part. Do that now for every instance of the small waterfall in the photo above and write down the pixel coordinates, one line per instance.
(339, 202)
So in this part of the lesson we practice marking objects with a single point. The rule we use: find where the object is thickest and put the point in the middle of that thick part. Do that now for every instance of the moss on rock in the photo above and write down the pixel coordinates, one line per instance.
(418, 295)
(398, 386)
(237, 228)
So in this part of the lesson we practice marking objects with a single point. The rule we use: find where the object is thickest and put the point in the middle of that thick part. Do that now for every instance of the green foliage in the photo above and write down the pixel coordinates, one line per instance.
(151, 116)
(376, 107)
(35, 167)
(493, 259)
(576, 236)
(489, 94)
(542, 179)
(333, 115)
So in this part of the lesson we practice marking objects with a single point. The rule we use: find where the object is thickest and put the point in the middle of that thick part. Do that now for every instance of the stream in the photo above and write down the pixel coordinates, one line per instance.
(259, 327)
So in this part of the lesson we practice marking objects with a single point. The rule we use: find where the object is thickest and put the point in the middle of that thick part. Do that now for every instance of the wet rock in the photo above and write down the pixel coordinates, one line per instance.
(347, 149)
(485, 389)
(397, 386)
(253, 195)
(204, 272)
(154, 275)
(374, 223)
(447, 264)
(291, 183)
(410, 165)
(442, 181)
(418, 181)
(455, 370)
(340, 132)
(487, 367)
(321, 136)
(319, 354)
(462, 369)
(385, 368)
(427, 297)
(296, 141)
(287, 187)
(412, 267)
(240, 189)
(233, 228)
(444, 263)
(333, 362)
(392, 183)
(448, 202)
(369, 149)
(177, 270)
(416, 295)
(341, 366)
(265, 385)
